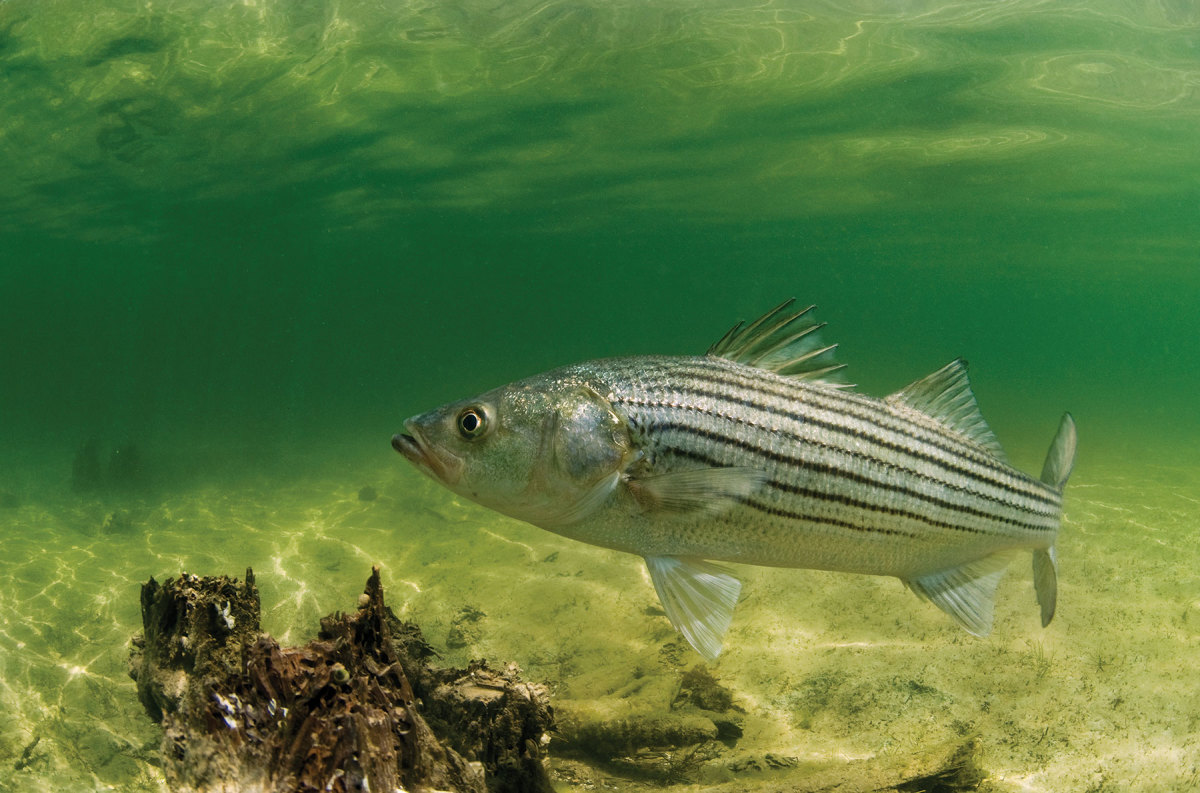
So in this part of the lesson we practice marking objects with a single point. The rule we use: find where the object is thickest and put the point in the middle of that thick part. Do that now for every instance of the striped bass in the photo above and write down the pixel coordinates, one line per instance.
(757, 453)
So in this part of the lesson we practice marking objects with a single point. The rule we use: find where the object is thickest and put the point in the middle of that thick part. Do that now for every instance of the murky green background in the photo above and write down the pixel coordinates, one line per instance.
(251, 238)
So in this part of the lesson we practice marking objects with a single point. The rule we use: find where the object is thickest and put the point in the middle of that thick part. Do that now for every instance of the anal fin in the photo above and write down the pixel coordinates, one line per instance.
(1045, 581)
(698, 597)
(967, 592)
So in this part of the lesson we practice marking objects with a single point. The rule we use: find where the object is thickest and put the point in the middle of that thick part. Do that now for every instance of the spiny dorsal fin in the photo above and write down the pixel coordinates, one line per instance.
(783, 342)
(946, 396)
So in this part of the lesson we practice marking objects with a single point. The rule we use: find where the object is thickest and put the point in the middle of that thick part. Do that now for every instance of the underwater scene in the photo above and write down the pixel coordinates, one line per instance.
(242, 243)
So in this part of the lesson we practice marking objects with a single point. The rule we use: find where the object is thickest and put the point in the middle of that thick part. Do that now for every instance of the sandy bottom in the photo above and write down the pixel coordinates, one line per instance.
(825, 666)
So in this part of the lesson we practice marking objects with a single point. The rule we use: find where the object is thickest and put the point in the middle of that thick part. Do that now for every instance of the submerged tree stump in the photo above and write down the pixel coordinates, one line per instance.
(357, 709)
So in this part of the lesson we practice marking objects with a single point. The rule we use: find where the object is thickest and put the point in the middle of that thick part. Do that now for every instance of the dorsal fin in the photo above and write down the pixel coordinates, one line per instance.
(783, 342)
(946, 396)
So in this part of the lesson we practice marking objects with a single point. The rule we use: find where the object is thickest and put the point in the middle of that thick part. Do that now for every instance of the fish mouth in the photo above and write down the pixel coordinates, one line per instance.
(443, 467)
(408, 446)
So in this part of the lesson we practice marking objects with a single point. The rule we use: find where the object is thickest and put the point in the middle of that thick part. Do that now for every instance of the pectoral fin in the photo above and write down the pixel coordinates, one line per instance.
(967, 593)
(698, 597)
(707, 490)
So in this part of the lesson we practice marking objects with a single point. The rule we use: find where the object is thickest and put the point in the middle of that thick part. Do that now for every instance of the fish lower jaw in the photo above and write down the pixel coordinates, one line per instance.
(428, 462)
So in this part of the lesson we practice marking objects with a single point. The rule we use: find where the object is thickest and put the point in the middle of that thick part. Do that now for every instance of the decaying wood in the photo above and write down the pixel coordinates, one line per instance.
(241, 713)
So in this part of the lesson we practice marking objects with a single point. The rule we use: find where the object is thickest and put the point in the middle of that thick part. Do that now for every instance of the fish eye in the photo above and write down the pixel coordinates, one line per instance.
(473, 423)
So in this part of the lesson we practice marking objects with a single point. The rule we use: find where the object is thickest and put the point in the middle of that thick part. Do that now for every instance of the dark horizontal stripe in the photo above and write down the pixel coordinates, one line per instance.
(846, 404)
(855, 503)
(800, 462)
(1032, 489)
(825, 469)
(841, 524)
(863, 409)
(766, 383)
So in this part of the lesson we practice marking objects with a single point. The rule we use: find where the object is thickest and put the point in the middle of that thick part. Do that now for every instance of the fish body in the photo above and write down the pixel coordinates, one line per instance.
(754, 453)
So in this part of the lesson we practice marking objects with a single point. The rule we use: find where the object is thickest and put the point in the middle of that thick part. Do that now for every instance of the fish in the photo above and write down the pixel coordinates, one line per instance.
(759, 453)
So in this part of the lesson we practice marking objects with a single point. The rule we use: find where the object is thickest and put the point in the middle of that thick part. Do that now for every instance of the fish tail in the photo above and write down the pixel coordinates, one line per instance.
(1061, 457)
(1059, 462)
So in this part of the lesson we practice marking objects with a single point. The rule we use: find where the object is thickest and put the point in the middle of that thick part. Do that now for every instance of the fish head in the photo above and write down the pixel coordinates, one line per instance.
(547, 450)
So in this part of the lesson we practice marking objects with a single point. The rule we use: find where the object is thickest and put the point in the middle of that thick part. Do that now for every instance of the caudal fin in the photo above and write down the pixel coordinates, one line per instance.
(1061, 457)
(1059, 462)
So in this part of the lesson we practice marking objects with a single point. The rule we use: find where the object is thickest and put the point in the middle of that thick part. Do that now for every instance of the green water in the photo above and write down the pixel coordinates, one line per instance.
(251, 238)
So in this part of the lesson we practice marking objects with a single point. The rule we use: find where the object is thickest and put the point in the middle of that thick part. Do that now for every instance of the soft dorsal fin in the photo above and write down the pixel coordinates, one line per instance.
(783, 342)
(946, 396)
